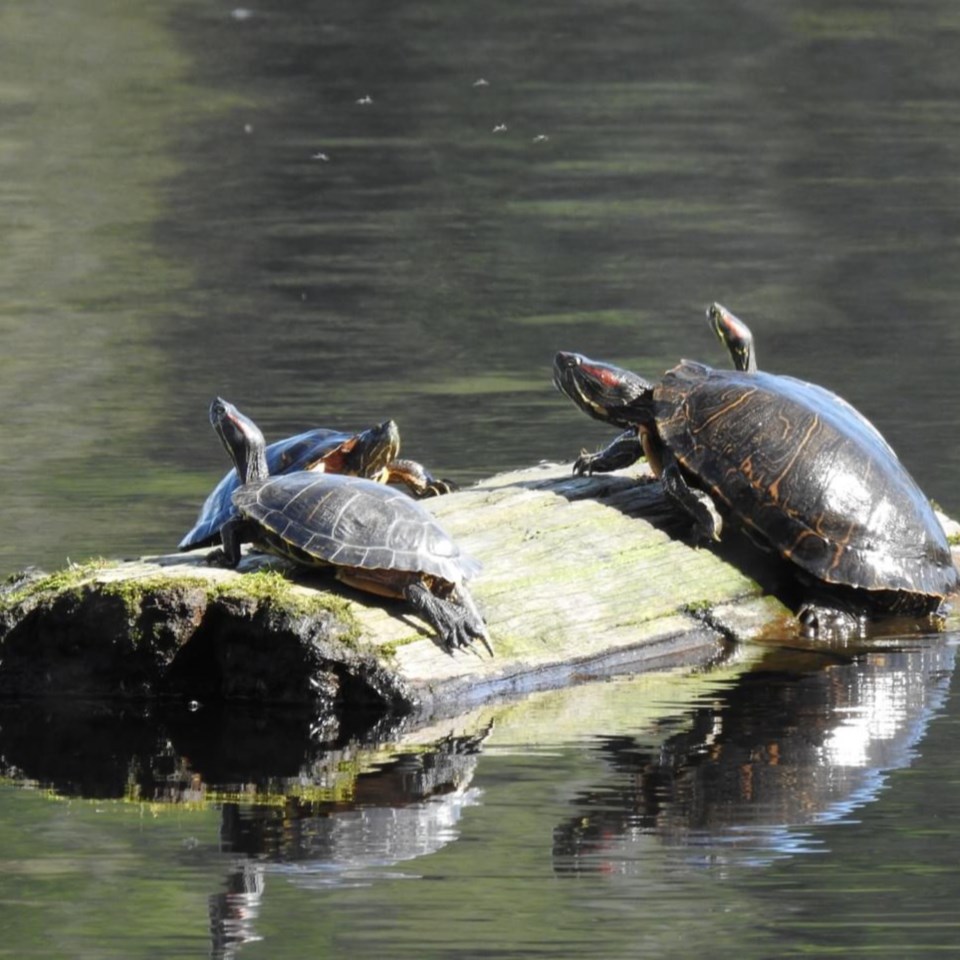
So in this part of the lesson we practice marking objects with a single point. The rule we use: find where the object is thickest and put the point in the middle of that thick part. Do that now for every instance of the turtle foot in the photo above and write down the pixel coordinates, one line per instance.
(624, 451)
(418, 480)
(438, 486)
(458, 624)
(582, 466)
(219, 558)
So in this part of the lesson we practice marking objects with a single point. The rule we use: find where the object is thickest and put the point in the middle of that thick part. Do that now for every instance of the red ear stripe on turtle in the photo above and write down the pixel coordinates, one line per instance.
(737, 327)
(603, 374)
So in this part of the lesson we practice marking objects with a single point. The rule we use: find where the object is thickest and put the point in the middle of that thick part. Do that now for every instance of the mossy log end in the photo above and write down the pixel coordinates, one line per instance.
(582, 576)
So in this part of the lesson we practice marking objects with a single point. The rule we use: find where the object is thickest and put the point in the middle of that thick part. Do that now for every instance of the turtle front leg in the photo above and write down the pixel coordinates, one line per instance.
(231, 536)
(417, 479)
(457, 621)
(622, 452)
(695, 503)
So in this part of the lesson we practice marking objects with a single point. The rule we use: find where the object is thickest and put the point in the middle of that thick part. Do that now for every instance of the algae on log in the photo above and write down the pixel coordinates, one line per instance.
(582, 575)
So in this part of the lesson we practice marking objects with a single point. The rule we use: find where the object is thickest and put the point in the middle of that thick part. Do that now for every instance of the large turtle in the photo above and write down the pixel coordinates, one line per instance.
(376, 538)
(372, 453)
(797, 468)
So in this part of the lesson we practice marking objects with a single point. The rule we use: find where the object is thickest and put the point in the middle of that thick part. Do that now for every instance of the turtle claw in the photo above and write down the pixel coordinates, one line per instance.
(417, 479)
(468, 633)
(463, 631)
(583, 465)
(457, 621)
(622, 452)
(438, 487)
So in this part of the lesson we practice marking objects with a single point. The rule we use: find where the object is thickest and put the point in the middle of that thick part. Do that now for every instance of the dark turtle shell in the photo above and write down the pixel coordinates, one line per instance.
(352, 522)
(809, 474)
(294, 453)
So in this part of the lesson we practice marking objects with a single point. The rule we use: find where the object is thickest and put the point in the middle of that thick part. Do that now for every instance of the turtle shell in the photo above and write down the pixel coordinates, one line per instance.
(353, 522)
(299, 452)
(802, 468)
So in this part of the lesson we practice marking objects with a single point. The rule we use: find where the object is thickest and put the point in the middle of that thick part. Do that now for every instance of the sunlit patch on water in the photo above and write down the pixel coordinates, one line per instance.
(365, 845)
(754, 771)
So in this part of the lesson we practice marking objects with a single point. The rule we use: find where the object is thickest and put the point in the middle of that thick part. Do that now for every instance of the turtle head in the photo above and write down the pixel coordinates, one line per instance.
(366, 454)
(735, 335)
(242, 439)
(602, 390)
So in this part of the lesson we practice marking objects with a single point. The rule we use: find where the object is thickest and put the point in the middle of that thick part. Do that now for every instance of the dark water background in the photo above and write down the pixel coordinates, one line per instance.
(169, 231)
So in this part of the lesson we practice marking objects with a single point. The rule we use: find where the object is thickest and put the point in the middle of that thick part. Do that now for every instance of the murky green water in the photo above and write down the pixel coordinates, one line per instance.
(169, 232)
(198, 200)
(789, 804)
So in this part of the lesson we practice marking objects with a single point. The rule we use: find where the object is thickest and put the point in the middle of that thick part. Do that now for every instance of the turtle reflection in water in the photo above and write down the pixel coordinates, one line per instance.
(371, 453)
(376, 538)
(799, 469)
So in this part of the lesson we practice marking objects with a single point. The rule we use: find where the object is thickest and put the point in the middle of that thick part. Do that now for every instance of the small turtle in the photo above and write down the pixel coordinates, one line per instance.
(376, 538)
(372, 453)
(796, 467)
(735, 335)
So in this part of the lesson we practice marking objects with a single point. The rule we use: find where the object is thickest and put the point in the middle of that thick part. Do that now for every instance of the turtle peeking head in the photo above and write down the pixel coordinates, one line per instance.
(735, 335)
(602, 390)
(366, 454)
(241, 438)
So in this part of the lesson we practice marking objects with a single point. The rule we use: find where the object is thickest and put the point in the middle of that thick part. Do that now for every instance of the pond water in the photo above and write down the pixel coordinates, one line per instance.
(337, 213)
(790, 803)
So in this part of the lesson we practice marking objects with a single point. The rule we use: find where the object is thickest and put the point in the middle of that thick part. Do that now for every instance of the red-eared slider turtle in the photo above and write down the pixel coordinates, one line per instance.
(371, 453)
(376, 538)
(796, 467)
(735, 335)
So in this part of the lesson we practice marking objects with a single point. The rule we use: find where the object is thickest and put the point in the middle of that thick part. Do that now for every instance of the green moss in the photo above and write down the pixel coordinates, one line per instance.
(954, 539)
(269, 587)
(273, 587)
(70, 577)
(132, 591)
(260, 585)
(389, 650)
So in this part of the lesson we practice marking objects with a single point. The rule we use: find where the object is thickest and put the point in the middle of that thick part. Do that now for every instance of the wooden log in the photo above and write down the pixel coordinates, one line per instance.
(582, 576)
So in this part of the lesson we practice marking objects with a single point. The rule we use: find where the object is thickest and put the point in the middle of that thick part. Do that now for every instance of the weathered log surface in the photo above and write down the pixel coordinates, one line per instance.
(581, 576)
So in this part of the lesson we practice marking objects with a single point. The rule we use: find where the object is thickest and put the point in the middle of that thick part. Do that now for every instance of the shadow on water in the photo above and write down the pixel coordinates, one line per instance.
(110, 749)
